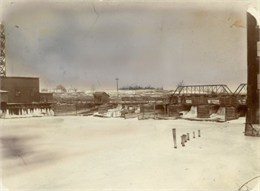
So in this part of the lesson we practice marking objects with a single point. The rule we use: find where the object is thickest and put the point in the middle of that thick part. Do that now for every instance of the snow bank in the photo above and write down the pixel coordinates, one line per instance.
(28, 113)
(191, 114)
(88, 153)
(220, 115)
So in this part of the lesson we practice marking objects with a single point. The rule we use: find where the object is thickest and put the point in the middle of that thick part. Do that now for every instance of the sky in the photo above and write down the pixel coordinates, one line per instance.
(158, 43)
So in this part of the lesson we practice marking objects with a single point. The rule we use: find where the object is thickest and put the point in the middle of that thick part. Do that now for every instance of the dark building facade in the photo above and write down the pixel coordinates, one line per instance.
(21, 89)
(252, 116)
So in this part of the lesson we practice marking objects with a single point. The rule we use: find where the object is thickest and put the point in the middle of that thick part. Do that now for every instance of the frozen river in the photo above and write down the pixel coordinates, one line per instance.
(88, 153)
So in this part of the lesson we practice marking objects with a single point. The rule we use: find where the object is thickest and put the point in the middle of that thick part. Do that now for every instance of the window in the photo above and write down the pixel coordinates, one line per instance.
(17, 92)
(32, 91)
(43, 99)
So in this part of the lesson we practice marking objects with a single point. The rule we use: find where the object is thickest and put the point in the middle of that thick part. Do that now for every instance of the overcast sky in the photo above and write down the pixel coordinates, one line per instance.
(87, 43)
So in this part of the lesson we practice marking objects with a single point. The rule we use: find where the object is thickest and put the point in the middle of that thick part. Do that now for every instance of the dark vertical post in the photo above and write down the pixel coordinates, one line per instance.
(185, 138)
(198, 133)
(117, 87)
(188, 136)
(143, 111)
(193, 135)
(183, 141)
(252, 116)
(174, 138)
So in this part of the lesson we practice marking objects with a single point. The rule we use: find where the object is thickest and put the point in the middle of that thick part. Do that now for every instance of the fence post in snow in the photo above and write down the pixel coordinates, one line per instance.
(188, 136)
(198, 133)
(193, 135)
(174, 138)
(143, 111)
(183, 140)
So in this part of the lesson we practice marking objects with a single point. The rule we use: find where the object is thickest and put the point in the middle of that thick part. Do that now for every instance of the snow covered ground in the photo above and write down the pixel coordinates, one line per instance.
(88, 153)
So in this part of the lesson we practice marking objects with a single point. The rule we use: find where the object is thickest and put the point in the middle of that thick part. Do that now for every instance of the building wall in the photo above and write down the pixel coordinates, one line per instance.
(46, 97)
(4, 97)
(105, 99)
(100, 99)
(21, 89)
(65, 109)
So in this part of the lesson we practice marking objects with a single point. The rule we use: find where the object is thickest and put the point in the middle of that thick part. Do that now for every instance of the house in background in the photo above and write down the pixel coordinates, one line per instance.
(71, 89)
(59, 91)
(101, 97)
(45, 90)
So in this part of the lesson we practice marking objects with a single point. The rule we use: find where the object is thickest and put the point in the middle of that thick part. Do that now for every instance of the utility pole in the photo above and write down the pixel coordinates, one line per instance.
(117, 87)
(252, 116)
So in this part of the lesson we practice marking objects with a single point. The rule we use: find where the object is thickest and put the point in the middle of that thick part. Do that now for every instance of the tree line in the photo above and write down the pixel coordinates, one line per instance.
(137, 87)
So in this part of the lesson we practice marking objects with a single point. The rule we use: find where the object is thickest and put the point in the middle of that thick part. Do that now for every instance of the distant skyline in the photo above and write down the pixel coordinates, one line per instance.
(88, 43)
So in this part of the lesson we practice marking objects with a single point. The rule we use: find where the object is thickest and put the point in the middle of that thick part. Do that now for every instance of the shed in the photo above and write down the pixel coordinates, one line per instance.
(101, 98)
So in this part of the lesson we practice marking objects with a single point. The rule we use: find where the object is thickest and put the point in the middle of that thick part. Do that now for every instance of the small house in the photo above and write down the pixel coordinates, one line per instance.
(71, 89)
(101, 97)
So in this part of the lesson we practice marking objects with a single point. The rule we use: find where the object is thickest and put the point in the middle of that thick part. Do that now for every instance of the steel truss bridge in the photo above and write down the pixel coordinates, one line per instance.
(241, 90)
(217, 89)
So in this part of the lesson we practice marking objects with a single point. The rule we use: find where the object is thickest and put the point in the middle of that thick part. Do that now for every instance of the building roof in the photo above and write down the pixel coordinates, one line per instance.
(19, 77)
(100, 93)
(45, 93)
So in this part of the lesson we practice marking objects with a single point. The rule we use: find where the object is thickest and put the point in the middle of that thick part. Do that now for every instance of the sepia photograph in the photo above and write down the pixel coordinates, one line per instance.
(129, 95)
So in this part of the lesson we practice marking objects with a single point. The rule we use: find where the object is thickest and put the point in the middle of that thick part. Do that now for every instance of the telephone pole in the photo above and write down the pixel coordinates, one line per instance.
(117, 87)
(253, 49)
